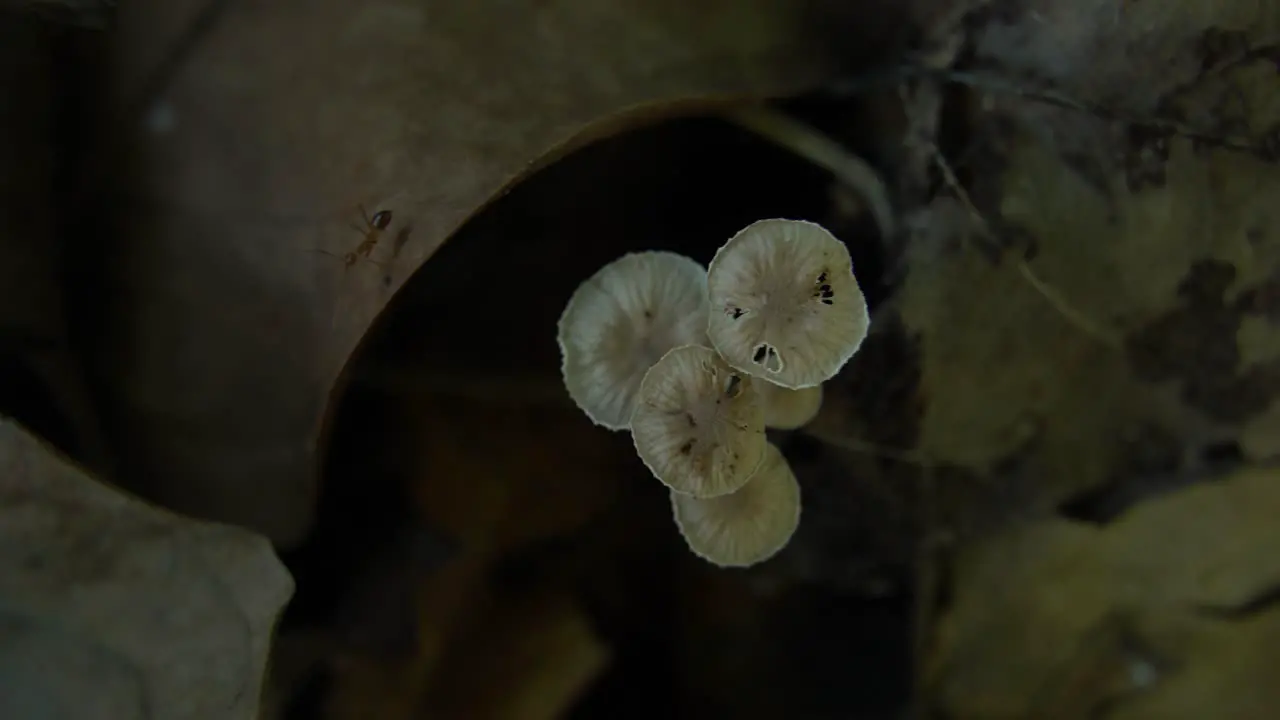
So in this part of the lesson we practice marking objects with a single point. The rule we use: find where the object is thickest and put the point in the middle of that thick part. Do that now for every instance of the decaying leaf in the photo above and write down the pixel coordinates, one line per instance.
(110, 608)
(1075, 314)
(1090, 303)
(1161, 614)
(229, 280)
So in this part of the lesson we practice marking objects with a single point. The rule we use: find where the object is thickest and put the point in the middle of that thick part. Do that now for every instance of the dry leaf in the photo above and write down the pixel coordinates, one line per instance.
(1058, 610)
(116, 609)
(1081, 314)
(289, 115)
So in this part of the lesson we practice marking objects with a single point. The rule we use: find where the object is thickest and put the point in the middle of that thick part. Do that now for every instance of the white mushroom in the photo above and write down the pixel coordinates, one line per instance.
(787, 409)
(698, 423)
(748, 526)
(785, 305)
(621, 321)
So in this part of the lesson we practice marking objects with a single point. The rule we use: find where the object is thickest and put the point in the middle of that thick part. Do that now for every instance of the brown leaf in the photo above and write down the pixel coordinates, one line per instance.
(1076, 320)
(229, 324)
(1057, 610)
(116, 609)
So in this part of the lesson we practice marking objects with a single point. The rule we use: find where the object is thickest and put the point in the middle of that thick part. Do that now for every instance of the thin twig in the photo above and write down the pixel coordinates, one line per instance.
(817, 148)
(1055, 299)
(821, 150)
(1059, 303)
(863, 447)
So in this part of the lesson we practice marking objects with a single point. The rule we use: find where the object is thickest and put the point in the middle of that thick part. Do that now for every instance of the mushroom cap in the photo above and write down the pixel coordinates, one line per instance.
(698, 423)
(785, 305)
(787, 409)
(748, 526)
(621, 321)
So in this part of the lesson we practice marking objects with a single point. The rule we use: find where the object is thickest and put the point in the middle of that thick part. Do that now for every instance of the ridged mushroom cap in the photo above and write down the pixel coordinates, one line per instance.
(785, 305)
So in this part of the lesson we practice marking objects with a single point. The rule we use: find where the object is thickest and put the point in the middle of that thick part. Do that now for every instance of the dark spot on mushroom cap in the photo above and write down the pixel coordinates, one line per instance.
(733, 387)
(734, 313)
(692, 423)
(686, 448)
(648, 314)
(767, 355)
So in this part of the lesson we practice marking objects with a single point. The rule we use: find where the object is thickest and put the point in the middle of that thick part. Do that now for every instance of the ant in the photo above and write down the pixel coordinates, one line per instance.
(372, 231)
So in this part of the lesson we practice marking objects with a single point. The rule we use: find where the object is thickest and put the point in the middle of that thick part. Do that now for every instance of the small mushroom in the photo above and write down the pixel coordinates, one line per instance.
(787, 409)
(785, 305)
(698, 424)
(748, 526)
(621, 321)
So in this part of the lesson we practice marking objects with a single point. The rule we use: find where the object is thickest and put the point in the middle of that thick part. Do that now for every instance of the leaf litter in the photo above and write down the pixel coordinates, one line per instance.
(1062, 418)
(1120, 328)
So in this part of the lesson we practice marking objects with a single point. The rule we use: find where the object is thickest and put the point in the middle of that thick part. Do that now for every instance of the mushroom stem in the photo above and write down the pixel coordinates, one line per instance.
(817, 148)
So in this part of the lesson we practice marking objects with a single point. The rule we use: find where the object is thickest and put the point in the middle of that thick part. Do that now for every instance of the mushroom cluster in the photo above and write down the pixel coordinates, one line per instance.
(696, 363)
